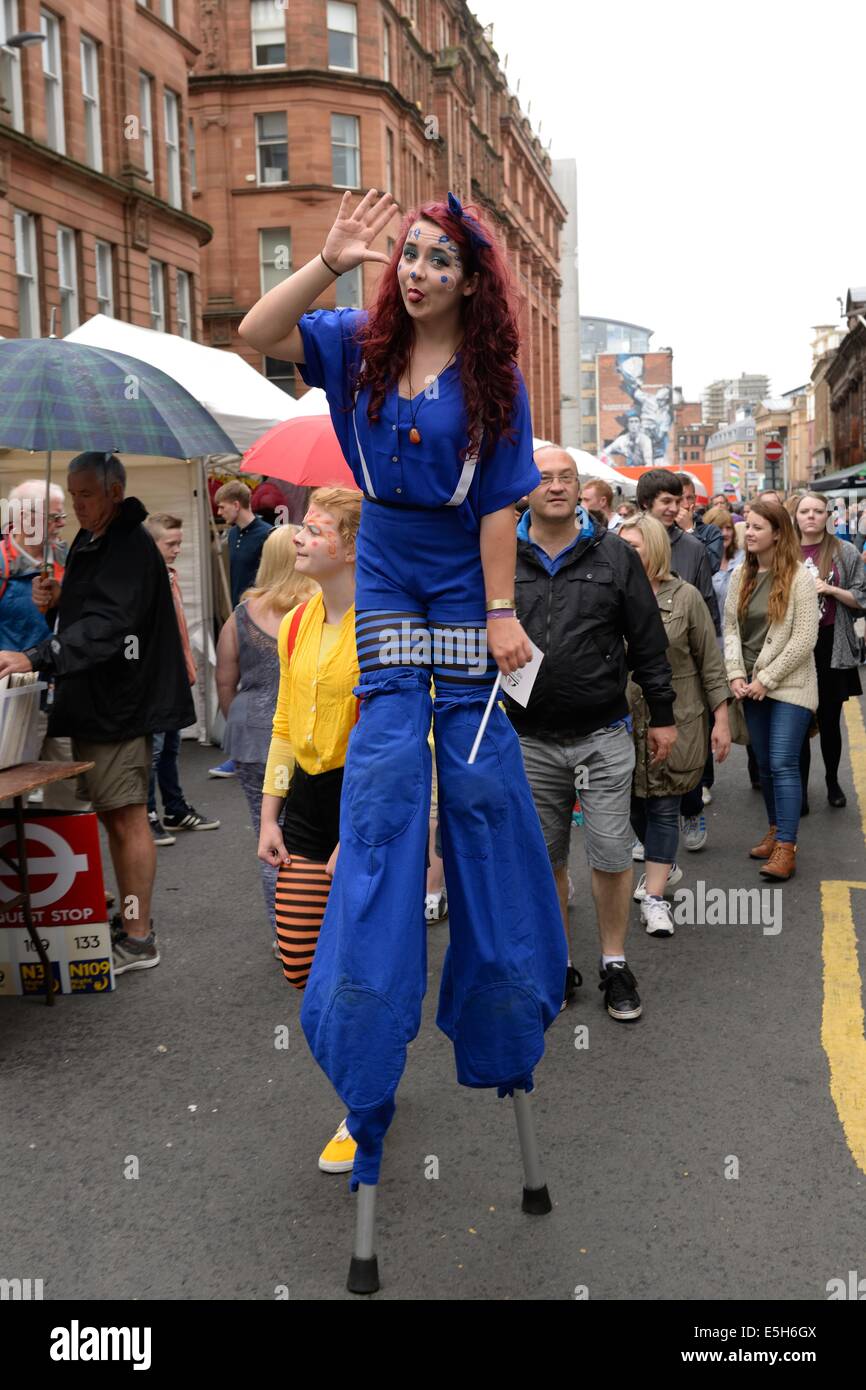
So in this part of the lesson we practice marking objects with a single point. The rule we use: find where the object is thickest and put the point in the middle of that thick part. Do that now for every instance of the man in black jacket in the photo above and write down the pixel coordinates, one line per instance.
(120, 676)
(582, 595)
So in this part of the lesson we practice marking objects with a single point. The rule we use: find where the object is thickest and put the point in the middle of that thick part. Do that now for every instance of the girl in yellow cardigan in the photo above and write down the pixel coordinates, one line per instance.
(315, 713)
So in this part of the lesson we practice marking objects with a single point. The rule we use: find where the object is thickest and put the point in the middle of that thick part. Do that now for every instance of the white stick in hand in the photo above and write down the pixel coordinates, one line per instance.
(479, 736)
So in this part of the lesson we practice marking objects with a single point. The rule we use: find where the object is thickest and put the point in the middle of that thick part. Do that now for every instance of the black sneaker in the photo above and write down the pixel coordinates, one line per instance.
(189, 819)
(160, 835)
(620, 991)
(573, 980)
(132, 953)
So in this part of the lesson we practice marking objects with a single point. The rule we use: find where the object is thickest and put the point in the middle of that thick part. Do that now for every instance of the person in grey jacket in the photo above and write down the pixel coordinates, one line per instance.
(840, 582)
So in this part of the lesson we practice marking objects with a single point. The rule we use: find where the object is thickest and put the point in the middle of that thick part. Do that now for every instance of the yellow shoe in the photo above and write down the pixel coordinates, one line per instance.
(339, 1155)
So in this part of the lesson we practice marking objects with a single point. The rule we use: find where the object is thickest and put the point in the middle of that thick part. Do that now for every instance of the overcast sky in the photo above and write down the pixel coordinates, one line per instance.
(720, 162)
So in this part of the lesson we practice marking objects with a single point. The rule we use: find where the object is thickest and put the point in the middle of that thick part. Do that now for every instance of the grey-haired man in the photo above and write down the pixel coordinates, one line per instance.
(120, 676)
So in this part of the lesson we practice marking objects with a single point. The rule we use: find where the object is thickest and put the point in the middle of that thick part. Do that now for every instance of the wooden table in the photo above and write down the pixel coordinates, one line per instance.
(17, 782)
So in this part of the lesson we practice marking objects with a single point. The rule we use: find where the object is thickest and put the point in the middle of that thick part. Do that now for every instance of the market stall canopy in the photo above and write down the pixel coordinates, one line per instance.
(848, 480)
(242, 401)
(588, 466)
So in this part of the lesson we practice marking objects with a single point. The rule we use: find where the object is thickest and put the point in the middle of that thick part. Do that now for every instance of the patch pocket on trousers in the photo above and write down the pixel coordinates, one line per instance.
(384, 782)
(473, 799)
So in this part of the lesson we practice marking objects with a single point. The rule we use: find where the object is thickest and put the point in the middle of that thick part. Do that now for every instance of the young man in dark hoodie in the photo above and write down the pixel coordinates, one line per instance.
(120, 676)
(586, 602)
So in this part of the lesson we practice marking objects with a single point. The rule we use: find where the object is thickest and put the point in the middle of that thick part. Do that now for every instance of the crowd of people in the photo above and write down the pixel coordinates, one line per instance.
(667, 632)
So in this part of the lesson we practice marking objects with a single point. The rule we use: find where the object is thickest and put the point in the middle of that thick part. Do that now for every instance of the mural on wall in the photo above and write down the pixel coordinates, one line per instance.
(641, 407)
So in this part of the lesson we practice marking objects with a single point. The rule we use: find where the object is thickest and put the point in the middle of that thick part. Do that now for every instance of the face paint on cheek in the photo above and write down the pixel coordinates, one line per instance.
(448, 281)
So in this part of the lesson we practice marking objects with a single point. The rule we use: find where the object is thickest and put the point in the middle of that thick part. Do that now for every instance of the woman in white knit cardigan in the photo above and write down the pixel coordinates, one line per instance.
(771, 626)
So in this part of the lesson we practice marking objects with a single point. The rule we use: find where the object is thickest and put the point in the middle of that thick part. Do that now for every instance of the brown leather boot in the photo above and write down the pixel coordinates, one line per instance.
(782, 863)
(766, 847)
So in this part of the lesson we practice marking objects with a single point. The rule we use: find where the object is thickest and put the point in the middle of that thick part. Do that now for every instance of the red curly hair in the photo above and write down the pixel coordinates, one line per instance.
(488, 319)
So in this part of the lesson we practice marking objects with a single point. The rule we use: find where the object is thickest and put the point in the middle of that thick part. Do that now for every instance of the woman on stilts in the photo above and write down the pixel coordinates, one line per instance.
(433, 418)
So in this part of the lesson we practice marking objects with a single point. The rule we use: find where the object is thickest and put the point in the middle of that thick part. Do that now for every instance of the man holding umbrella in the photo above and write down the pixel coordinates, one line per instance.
(120, 676)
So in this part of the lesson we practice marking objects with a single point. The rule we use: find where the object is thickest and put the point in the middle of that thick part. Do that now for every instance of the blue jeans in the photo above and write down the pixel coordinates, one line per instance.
(776, 731)
(166, 748)
(656, 822)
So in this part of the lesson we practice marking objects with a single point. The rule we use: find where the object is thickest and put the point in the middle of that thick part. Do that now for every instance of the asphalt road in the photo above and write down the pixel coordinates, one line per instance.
(178, 1069)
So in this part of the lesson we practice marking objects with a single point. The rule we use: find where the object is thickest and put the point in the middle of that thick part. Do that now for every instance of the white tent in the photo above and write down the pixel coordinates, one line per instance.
(313, 402)
(237, 396)
(245, 404)
(588, 466)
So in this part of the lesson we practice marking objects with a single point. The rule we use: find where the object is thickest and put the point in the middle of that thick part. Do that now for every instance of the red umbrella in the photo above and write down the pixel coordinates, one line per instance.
(303, 450)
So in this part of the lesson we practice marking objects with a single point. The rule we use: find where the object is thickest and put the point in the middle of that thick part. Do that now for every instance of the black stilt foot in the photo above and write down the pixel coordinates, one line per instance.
(363, 1275)
(536, 1201)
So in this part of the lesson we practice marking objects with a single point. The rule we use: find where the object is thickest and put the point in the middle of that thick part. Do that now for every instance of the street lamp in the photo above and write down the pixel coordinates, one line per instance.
(14, 42)
(24, 40)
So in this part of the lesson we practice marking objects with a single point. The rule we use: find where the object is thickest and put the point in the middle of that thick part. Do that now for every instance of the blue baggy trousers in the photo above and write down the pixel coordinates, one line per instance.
(504, 971)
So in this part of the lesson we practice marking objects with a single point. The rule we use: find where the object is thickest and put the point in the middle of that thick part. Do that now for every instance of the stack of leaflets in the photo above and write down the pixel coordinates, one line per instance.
(19, 714)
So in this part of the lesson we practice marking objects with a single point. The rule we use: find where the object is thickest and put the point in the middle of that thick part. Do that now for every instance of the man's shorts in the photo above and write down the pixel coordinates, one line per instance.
(121, 773)
(598, 770)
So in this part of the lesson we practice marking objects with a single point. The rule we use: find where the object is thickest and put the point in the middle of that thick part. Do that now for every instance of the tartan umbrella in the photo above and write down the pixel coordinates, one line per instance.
(303, 450)
(60, 395)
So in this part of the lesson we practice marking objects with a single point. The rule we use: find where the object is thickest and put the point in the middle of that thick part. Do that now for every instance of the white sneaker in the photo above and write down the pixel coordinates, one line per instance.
(675, 873)
(694, 831)
(656, 916)
(570, 889)
(637, 851)
(706, 795)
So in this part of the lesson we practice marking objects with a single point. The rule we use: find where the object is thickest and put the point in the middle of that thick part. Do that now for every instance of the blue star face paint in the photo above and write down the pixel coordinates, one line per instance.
(430, 262)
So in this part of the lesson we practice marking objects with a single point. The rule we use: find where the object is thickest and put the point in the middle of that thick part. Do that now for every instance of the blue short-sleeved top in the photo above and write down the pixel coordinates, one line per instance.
(425, 474)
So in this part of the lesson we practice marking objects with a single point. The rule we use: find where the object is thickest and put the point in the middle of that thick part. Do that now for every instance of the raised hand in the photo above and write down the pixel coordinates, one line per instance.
(348, 241)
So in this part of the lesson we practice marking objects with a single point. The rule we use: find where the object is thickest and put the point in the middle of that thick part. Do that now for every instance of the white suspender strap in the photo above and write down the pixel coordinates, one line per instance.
(466, 476)
(368, 482)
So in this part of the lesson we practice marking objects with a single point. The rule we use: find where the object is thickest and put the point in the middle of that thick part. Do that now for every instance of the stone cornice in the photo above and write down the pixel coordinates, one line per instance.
(302, 77)
(126, 193)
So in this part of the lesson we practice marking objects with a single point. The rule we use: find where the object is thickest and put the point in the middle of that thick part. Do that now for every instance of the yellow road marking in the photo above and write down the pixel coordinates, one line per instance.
(857, 749)
(842, 1025)
(843, 1035)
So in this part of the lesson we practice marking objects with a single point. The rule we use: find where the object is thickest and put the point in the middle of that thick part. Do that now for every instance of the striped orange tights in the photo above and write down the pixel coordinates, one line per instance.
(301, 897)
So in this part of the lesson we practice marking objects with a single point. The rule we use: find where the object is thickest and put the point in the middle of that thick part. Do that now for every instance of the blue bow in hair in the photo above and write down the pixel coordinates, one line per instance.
(476, 236)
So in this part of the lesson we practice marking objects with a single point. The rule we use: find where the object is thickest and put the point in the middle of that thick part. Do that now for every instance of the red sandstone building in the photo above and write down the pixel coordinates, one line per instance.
(133, 132)
(292, 105)
(95, 199)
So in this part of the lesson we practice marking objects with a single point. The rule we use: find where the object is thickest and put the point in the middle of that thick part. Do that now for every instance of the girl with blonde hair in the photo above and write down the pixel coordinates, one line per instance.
(248, 673)
(699, 682)
(315, 713)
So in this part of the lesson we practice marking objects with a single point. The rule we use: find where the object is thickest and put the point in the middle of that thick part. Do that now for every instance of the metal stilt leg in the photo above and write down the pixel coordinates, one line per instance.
(536, 1198)
(364, 1267)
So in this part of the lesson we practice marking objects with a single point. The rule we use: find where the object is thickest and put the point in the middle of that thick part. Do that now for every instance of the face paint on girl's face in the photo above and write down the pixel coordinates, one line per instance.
(317, 538)
(430, 262)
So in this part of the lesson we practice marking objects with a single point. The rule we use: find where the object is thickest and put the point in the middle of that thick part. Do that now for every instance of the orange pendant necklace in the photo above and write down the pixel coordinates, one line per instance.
(414, 432)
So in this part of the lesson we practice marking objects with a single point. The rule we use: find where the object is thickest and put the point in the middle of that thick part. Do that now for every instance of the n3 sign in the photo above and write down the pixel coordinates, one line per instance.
(773, 451)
